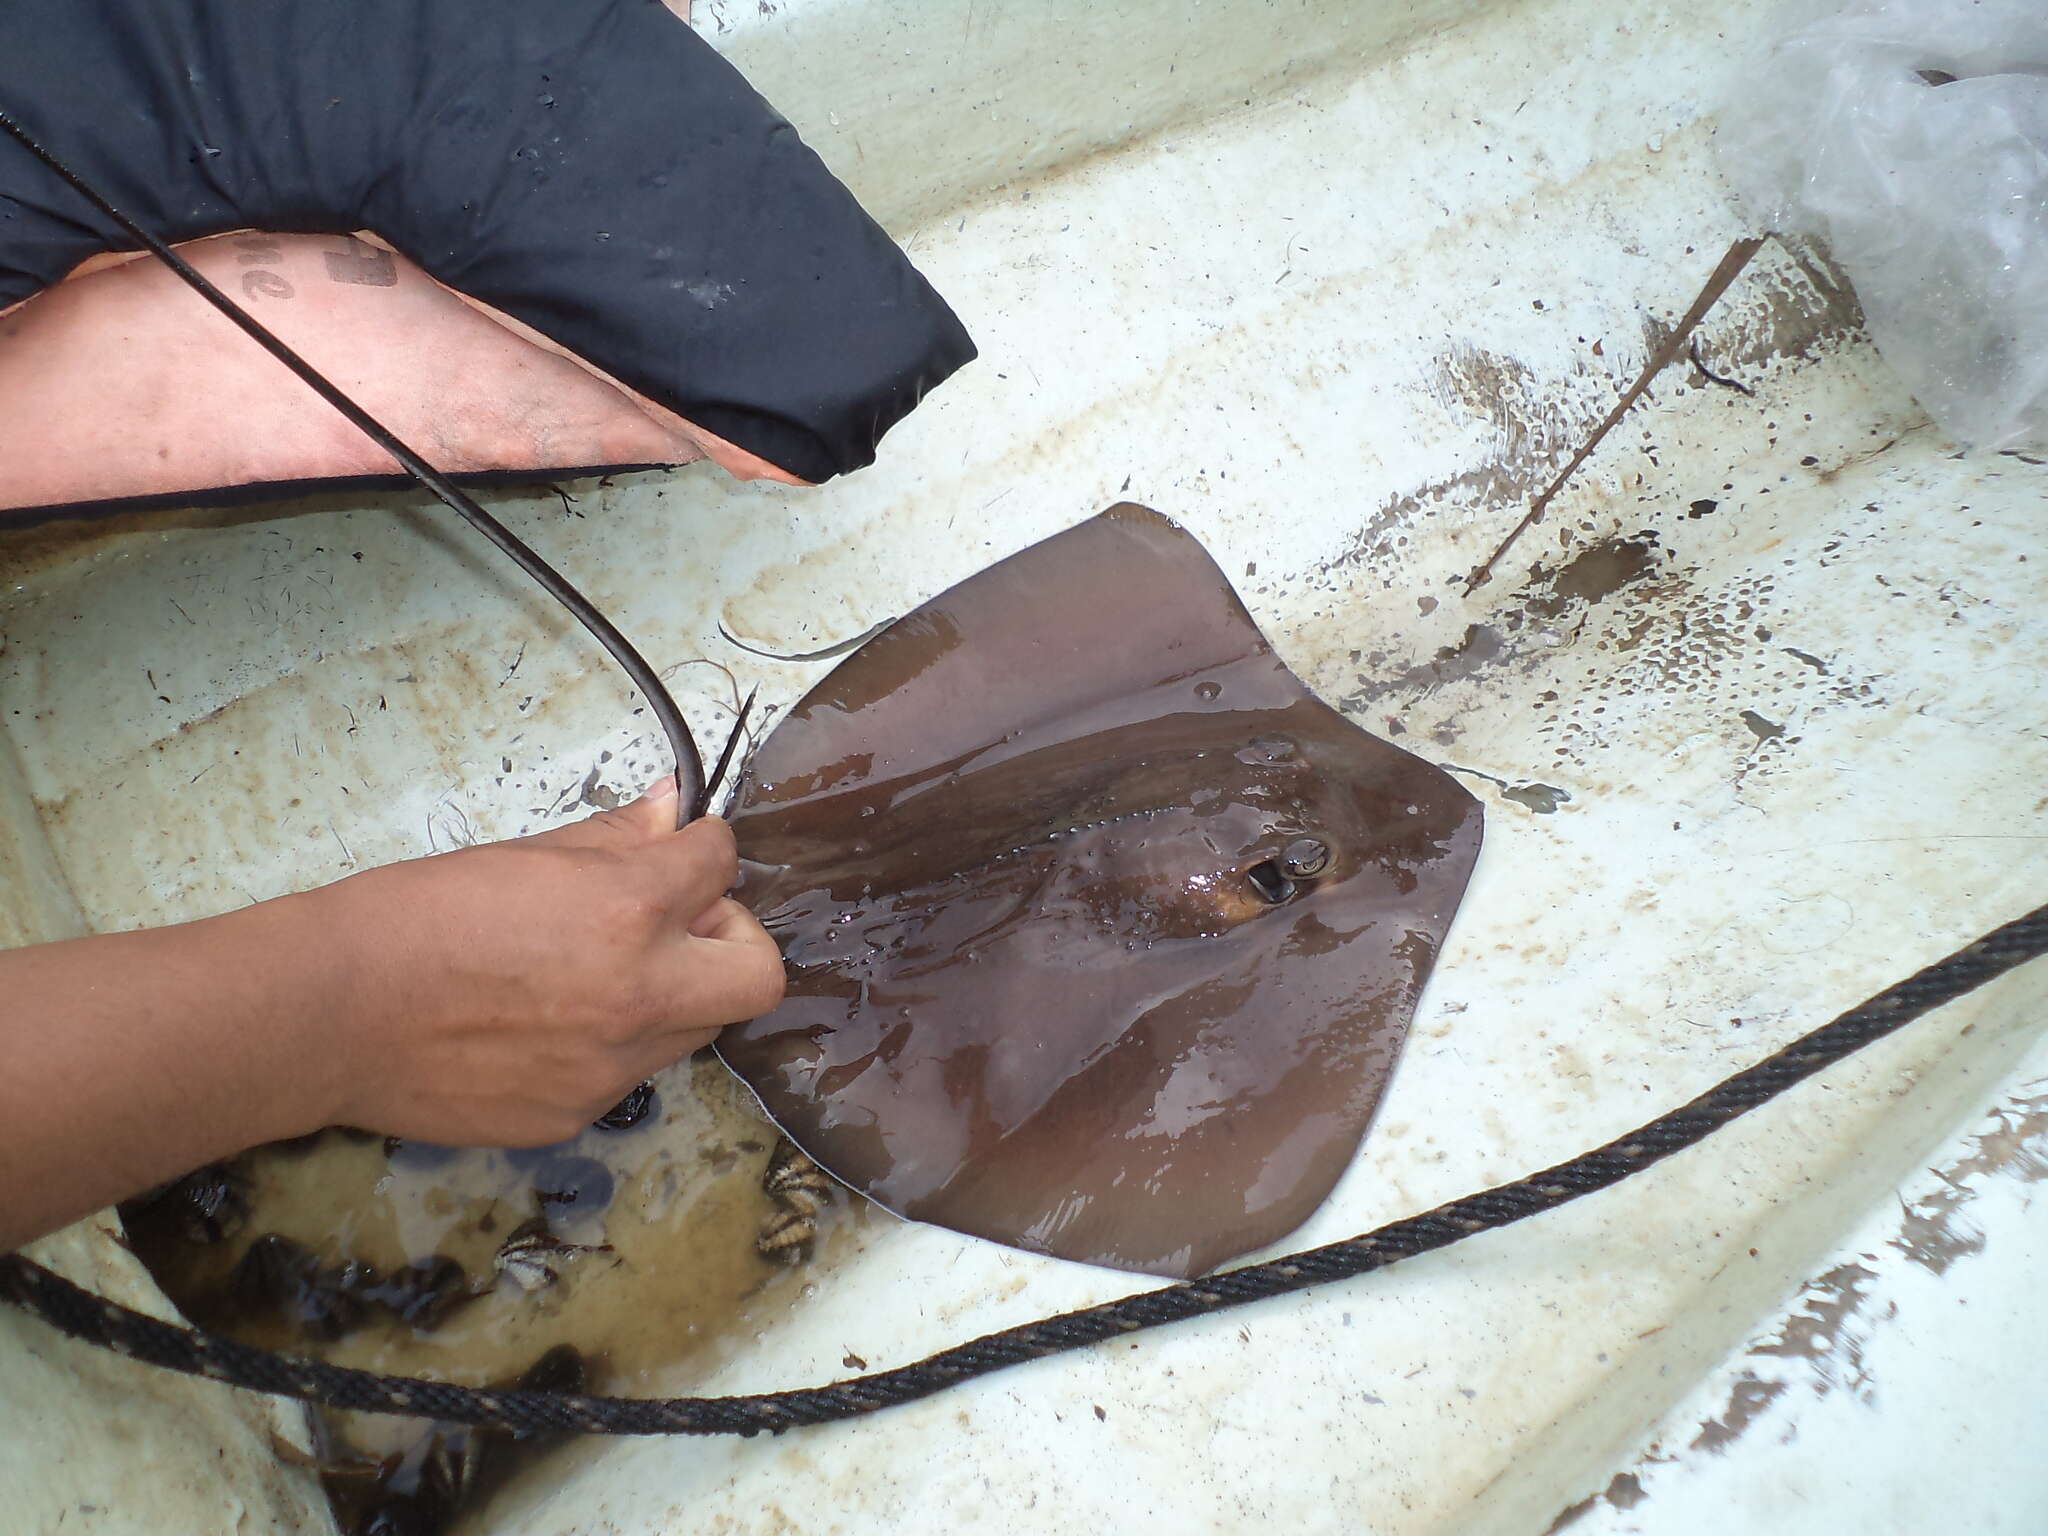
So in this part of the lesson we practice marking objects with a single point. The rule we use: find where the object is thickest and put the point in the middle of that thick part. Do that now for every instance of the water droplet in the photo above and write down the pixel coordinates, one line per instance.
(1266, 749)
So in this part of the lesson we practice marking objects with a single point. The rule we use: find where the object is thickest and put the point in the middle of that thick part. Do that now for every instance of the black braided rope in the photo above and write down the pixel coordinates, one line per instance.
(85, 1316)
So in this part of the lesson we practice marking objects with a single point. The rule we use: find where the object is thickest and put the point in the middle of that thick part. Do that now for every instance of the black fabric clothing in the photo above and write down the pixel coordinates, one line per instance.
(590, 167)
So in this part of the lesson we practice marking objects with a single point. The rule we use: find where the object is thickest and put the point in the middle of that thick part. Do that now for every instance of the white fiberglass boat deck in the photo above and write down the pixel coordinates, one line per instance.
(1755, 710)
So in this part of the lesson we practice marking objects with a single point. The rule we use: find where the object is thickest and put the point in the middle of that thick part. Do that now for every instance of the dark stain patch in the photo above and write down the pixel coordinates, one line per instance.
(1494, 387)
(1816, 1333)
(1932, 1233)
(1811, 660)
(1621, 618)
(1929, 1235)
(1479, 647)
(1787, 309)
(1762, 729)
(1793, 303)
(1571, 1514)
(1543, 799)
(2016, 1145)
(1497, 483)
(1593, 575)
(1535, 424)
(1749, 1397)
(1626, 1491)
(597, 796)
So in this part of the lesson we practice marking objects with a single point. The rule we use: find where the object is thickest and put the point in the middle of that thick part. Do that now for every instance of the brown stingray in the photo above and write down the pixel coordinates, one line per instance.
(1102, 933)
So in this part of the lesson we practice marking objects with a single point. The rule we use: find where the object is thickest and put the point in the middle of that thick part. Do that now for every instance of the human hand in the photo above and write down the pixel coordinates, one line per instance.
(510, 993)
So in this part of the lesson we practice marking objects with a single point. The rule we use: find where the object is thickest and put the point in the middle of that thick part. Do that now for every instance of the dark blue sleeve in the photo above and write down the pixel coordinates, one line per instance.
(590, 167)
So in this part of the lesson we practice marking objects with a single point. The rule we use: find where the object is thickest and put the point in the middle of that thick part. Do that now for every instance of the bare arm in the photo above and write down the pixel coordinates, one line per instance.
(120, 382)
(502, 995)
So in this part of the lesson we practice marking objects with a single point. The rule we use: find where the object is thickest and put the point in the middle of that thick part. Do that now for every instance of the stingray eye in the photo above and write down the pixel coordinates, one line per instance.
(1305, 858)
(1270, 881)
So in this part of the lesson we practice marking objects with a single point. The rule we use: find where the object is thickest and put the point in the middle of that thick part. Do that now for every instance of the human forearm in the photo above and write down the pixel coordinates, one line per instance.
(135, 1057)
(502, 995)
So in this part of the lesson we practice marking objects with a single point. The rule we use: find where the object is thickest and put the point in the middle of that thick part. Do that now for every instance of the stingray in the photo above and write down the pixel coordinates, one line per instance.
(1102, 932)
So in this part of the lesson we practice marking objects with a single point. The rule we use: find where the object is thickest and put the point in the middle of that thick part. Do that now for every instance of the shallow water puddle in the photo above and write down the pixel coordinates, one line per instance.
(611, 1263)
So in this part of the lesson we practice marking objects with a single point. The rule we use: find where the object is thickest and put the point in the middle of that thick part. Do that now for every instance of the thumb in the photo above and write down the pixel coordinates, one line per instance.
(652, 815)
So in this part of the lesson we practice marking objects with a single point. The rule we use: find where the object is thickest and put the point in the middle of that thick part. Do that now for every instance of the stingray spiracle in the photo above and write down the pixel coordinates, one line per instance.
(800, 1190)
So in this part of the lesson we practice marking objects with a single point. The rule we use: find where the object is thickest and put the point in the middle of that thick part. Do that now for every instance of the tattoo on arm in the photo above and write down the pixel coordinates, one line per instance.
(362, 264)
(253, 251)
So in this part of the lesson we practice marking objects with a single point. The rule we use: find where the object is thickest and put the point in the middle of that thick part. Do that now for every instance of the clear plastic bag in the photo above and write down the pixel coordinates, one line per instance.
(1912, 137)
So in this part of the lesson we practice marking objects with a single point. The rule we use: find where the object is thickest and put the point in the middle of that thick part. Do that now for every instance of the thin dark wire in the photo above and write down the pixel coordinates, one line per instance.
(732, 743)
(81, 1314)
(689, 766)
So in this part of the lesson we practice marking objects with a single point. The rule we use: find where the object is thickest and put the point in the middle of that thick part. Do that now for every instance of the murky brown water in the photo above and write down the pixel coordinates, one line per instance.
(621, 1262)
